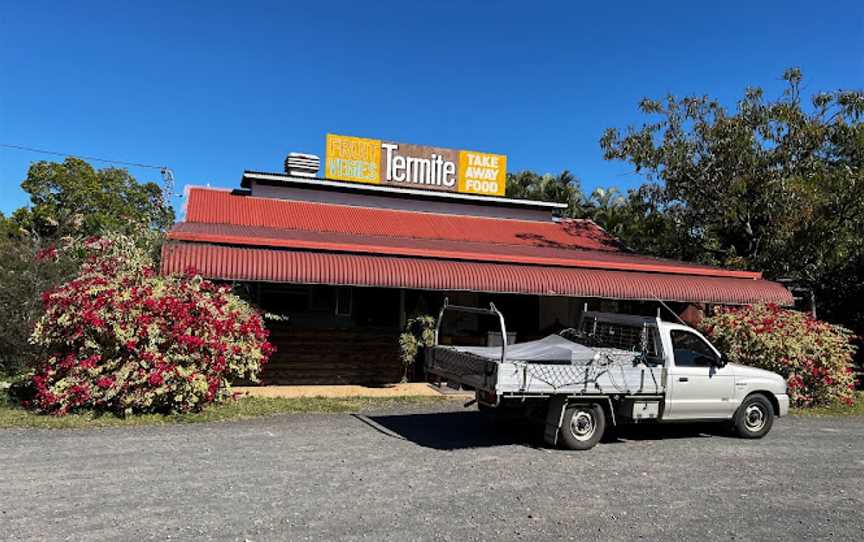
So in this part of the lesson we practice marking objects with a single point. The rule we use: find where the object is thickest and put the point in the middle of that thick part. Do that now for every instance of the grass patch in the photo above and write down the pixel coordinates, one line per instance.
(838, 409)
(13, 416)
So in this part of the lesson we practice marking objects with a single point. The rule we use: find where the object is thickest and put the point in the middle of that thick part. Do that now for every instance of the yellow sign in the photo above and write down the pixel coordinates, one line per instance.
(374, 161)
(482, 173)
(353, 159)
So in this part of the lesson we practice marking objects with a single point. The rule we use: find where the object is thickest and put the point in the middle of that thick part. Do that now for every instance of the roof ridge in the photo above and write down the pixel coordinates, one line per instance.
(384, 209)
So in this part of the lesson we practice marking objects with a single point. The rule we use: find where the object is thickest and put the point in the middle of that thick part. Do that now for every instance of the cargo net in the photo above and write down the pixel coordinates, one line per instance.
(617, 348)
(609, 365)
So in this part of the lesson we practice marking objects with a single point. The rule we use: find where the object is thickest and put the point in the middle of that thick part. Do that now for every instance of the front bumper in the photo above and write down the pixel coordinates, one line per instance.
(783, 402)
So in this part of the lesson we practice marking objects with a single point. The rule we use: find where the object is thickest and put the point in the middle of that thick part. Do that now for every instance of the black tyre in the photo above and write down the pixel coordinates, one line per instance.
(754, 417)
(582, 426)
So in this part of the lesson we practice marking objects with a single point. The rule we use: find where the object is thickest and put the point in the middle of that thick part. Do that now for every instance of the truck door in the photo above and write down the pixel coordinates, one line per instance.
(698, 389)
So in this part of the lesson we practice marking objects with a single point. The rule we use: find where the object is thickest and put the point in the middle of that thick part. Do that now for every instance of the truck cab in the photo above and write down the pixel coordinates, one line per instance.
(701, 385)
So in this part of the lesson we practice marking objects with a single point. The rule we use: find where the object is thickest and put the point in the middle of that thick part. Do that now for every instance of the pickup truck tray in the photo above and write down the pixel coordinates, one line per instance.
(553, 365)
(542, 367)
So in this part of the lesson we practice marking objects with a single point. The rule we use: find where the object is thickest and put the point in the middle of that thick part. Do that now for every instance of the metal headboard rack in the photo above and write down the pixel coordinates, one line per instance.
(491, 311)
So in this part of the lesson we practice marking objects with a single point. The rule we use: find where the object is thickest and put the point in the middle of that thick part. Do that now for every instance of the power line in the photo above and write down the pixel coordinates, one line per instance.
(165, 171)
(93, 158)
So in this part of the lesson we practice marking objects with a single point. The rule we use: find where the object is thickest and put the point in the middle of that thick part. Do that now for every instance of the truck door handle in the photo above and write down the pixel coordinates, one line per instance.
(683, 379)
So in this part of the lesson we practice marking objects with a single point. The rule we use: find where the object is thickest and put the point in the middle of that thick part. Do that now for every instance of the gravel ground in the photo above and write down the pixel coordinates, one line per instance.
(447, 474)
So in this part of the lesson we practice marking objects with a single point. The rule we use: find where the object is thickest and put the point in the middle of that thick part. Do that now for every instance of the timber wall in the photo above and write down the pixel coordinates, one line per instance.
(332, 356)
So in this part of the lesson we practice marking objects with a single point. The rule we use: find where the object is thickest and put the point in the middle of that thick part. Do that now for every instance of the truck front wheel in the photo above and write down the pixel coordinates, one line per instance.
(754, 417)
(582, 426)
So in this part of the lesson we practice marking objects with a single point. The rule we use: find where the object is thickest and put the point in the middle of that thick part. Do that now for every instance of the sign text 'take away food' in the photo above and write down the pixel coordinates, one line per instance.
(374, 161)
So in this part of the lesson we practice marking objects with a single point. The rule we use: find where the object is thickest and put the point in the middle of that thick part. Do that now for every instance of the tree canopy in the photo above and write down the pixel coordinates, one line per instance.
(775, 185)
(772, 185)
(561, 188)
(68, 201)
(73, 198)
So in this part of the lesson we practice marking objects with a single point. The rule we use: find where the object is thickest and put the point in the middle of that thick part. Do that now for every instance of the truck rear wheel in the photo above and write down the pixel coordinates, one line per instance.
(754, 417)
(582, 426)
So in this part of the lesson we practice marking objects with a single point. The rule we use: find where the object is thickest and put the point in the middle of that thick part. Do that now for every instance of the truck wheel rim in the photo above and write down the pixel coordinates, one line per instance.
(582, 425)
(754, 418)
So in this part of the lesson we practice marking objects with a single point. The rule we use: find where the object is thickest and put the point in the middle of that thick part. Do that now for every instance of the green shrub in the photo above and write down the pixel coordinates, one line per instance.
(419, 333)
(815, 357)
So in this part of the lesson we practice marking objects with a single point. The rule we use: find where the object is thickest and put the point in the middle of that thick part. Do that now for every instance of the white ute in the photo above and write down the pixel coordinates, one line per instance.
(612, 369)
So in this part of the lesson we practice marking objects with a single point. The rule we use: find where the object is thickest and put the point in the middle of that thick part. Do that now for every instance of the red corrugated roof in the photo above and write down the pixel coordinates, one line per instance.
(218, 216)
(237, 237)
(305, 267)
(437, 248)
(211, 206)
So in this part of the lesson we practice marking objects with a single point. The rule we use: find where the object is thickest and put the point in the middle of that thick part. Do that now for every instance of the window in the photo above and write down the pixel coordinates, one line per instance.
(284, 299)
(621, 336)
(691, 351)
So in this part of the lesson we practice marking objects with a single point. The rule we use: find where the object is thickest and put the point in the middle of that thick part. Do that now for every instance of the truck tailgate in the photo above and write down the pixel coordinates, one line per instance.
(460, 367)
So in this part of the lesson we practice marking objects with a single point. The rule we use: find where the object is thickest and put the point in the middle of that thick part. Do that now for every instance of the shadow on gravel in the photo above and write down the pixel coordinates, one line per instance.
(472, 429)
(458, 430)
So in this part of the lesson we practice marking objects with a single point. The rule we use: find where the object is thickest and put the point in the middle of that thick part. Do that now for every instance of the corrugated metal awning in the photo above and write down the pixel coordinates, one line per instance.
(445, 249)
(320, 267)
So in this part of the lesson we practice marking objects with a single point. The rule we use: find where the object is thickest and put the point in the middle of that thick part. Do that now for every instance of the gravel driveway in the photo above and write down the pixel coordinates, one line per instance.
(446, 474)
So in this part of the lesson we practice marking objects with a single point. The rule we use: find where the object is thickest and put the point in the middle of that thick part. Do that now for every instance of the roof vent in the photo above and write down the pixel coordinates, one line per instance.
(302, 165)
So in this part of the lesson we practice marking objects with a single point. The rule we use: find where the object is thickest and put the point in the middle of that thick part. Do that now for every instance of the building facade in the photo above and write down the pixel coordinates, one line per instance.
(346, 265)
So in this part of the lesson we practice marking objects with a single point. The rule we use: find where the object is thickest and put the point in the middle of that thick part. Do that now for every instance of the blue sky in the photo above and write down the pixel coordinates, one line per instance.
(211, 89)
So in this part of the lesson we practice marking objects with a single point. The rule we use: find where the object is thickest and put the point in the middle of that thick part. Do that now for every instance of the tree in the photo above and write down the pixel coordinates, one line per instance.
(776, 186)
(638, 219)
(561, 188)
(69, 201)
(608, 208)
(73, 198)
(26, 270)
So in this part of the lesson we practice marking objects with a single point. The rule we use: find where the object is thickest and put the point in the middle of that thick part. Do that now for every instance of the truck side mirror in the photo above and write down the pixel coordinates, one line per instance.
(721, 361)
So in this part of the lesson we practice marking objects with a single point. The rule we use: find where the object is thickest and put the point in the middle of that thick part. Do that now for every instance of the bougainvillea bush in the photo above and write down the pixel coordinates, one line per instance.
(814, 356)
(122, 338)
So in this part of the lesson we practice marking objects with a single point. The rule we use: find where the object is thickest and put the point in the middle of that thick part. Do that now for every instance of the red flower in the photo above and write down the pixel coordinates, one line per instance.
(177, 327)
(91, 361)
(105, 382)
(49, 253)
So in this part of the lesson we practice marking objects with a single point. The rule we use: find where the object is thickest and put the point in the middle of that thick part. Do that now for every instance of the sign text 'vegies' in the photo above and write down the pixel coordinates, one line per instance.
(414, 166)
